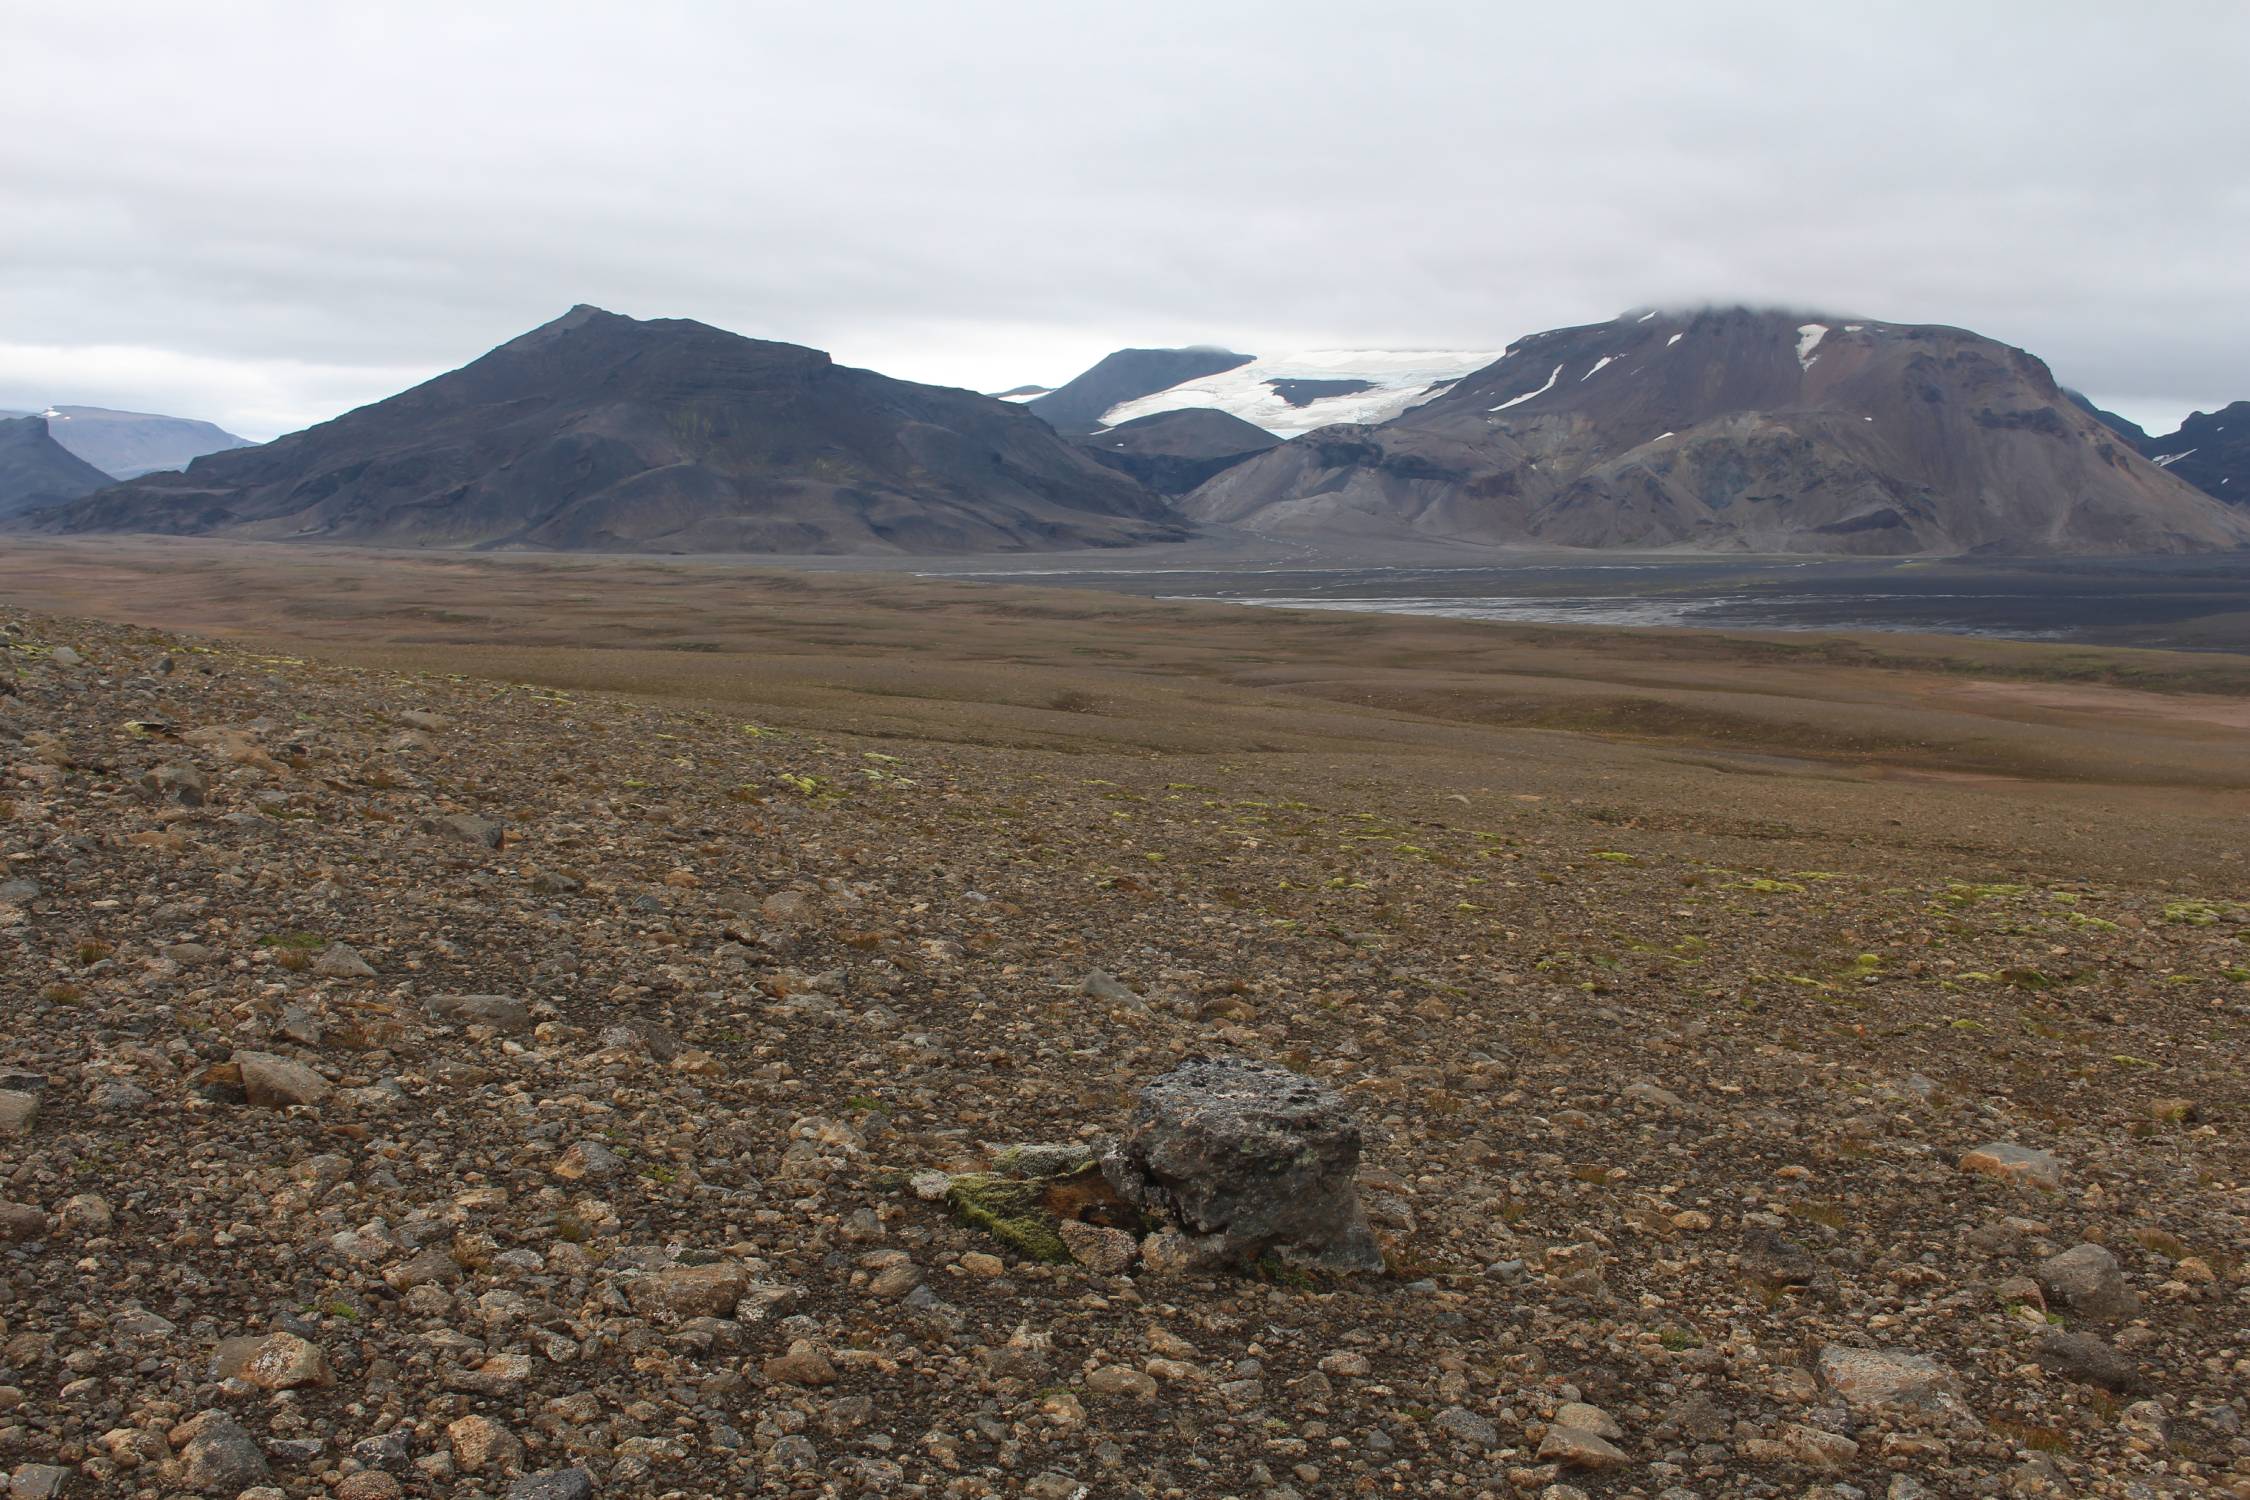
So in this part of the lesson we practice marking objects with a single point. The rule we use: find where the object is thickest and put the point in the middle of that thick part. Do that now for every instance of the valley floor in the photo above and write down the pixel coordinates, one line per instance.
(1673, 975)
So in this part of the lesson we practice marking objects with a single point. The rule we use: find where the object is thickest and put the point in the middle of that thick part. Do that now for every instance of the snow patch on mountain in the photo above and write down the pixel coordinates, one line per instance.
(1809, 336)
(1398, 379)
(1552, 376)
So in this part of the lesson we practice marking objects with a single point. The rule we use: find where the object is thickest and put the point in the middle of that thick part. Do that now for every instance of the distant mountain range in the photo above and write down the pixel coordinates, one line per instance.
(2210, 451)
(601, 432)
(1722, 429)
(36, 471)
(125, 444)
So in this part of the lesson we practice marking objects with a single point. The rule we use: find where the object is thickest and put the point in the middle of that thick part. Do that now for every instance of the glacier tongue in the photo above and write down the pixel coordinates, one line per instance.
(1396, 379)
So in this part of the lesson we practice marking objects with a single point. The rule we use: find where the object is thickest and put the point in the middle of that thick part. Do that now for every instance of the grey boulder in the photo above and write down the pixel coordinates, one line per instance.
(1250, 1159)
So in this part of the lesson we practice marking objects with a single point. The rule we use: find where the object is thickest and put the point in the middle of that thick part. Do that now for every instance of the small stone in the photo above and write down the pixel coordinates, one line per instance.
(1467, 1426)
(1588, 1419)
(272, 1082)
(1868, 1378)
(221, 1458)
(1167, 1252)
(1576, 1449)
(501, 1375)
(479, 1443)
(2083, 1357)
(21, 1221)
(275, 1362)
(2086, 1279)
(2017, 1164)
(500, 1012)
(18, 1112)
(466, 828)
(554, 1484)
(87, 1214)
(689, 1291)
(1816, 1449)
(977, 1263)
(1121, 1380)
(342, 961)
(114, 1096)
(896, 1280)
(1346, 1362)
(184, 784)
(370, 1484)
(39, 1482)
(588, 1159)
(1100, 1249)
(431, 1266)
(804, 1364)
(1105, 987)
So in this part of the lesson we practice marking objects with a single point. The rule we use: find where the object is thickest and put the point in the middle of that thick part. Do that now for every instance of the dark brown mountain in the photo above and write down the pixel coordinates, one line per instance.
(606, 433)
(2210, 451)
(37, 471)
(1129, 374)
(1174, 451)
(1738, 429)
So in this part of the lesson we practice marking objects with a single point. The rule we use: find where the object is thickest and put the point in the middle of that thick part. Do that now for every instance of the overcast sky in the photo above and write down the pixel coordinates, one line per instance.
(264, 214)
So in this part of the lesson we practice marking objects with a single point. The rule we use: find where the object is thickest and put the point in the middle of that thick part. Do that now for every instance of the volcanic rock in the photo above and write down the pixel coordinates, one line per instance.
(1256, 1158)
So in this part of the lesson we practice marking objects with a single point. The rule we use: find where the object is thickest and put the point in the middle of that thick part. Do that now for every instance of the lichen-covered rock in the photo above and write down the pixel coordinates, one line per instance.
(1102, 1250)
(1251, 1154)
(690, 1291)
(219, 1457)
(275, 1362)
(1867, 1378)
(2012, 1163)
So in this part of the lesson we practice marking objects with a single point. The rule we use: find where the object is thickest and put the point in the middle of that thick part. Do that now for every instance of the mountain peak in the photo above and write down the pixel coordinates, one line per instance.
(1743, 428)
(602, 432)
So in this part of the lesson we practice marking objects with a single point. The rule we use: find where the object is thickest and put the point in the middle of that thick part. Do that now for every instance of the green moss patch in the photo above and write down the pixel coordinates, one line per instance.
(1011, 1212)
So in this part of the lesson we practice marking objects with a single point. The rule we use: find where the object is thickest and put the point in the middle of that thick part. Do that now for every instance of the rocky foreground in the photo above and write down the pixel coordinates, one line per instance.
(436, 1087)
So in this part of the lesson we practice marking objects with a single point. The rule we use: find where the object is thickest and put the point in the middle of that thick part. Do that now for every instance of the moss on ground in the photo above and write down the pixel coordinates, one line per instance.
(1011, 1213)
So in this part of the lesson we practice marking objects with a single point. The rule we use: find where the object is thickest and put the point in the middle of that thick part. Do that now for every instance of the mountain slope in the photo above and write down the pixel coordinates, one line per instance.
(2210, 451)
(1078, 405)
(126, 444)
(601, 432)
(37, 471)
(2124, 427)
(1737, 429)
(1174, 451)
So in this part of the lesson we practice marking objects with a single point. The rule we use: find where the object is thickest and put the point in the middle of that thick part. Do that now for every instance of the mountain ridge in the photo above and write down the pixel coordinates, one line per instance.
(1770, 431)
(597, 431)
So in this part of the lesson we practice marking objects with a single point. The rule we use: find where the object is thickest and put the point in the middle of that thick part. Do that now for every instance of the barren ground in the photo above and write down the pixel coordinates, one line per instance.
(1673, 975)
